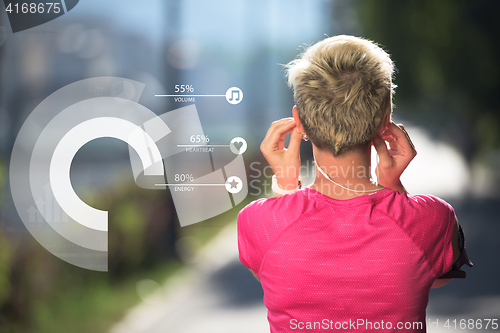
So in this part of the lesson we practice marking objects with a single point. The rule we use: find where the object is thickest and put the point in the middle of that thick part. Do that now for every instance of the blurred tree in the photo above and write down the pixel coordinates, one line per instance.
(35, 285)
(447, 53)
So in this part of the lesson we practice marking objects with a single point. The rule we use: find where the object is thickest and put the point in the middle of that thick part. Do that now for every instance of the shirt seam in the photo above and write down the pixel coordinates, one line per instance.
(240, 254)
(280, 236)
(394, 220)
(359, 200)
(446, 244)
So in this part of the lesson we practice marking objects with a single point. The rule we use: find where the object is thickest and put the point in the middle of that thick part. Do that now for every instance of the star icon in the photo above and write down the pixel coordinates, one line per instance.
(234, 184)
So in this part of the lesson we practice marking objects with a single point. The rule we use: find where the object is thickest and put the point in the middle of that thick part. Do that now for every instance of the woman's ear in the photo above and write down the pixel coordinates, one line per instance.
(298, 124)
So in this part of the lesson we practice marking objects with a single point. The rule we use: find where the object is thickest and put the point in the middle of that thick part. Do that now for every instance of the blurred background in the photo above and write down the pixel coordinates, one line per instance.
(163, 278)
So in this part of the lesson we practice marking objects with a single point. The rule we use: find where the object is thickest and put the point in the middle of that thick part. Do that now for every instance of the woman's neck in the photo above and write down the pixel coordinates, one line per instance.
(350, 171)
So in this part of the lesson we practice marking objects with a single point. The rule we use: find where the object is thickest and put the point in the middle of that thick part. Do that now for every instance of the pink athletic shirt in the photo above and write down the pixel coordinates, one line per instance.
(363, 264)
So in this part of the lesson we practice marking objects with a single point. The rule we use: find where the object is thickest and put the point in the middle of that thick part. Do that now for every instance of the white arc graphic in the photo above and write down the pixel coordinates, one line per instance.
(78, 136)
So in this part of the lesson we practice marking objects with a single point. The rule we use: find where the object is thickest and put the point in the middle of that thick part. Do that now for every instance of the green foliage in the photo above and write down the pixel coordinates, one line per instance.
(96, 307)
(130, 220)
(41, 293)
(6, 255)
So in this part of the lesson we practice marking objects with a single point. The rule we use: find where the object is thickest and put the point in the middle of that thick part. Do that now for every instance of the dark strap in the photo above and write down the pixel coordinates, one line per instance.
(455, 272)
(458, 274)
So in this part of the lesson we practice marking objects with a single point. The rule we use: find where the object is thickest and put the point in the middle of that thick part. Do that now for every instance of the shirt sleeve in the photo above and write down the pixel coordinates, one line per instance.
(249, 238)
(243, 244)
(432, 228)
(260, 224)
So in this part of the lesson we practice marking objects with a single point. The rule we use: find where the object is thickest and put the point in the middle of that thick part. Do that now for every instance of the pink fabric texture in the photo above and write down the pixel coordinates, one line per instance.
(324, 262)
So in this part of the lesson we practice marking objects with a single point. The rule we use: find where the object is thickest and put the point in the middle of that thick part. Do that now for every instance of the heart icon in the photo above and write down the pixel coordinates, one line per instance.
(238, 145)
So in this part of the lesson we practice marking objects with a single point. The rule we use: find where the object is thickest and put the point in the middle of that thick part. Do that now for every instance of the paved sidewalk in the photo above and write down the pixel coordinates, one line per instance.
(217, 294)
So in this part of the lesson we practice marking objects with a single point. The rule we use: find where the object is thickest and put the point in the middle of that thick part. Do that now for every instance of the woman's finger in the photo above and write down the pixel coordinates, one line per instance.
(408, 138)
(294, 145)
(281, 131)
(385, 158)
(272, 128)
(402, 138)
(274, 125)
(277, 135)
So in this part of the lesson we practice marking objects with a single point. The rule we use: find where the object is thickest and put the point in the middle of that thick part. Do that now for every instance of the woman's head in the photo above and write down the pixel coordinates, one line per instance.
(343, 90)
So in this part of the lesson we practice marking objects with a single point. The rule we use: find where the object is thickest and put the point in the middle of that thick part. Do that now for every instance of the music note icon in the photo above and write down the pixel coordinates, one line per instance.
(235, 92)
(234, 95)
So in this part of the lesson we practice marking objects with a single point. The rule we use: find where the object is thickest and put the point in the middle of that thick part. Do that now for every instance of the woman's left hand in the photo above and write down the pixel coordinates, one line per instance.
(285, 162)
(393, 161)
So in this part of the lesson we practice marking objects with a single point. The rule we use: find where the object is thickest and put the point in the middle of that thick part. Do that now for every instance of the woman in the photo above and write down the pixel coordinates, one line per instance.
(346, 253)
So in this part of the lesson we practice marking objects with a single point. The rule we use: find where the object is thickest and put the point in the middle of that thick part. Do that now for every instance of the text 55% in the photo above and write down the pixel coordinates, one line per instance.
(181, 88)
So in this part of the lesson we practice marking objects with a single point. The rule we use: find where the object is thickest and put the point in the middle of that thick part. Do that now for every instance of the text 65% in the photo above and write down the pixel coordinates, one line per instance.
(199, 138)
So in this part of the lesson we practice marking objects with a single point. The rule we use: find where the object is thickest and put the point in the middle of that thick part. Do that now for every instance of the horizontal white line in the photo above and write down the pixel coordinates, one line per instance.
(207, 145)
(190, 95)
(190, 184)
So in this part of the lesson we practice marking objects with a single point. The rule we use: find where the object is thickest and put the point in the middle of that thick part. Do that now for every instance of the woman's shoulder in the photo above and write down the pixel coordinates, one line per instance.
(261, 223)
(281, 210)
(424, 202)
(273, 204)
(406, 208)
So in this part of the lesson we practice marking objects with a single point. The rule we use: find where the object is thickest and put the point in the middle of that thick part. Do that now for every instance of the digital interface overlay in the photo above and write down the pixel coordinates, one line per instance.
(167, 151)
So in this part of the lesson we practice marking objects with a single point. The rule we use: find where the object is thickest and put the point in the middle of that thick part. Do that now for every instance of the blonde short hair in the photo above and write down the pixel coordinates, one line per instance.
(343, 89)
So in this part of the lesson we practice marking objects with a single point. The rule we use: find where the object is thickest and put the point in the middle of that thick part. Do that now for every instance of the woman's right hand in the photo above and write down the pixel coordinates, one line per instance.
(285, 162)
(393, 161)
